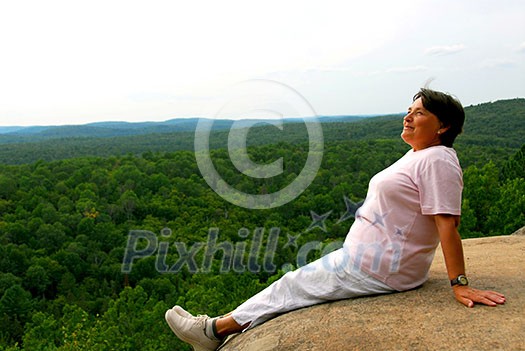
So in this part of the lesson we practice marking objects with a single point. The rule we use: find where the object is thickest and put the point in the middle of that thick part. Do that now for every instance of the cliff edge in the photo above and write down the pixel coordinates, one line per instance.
(428, 318)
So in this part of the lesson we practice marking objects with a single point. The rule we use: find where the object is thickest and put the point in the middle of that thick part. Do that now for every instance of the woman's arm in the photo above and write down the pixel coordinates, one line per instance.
(447, 226)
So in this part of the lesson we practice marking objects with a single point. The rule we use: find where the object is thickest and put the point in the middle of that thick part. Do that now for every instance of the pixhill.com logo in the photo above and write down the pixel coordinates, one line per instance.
(255, 252)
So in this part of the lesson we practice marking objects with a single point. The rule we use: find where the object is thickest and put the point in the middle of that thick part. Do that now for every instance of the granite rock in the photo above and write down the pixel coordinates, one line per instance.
(427, 318)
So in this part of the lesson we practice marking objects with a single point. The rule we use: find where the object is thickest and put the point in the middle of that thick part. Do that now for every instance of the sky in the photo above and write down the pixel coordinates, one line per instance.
(75, 62)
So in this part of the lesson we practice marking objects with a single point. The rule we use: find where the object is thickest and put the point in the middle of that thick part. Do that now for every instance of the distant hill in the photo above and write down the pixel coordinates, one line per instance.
(499, 125)
(8, 130)
(98, 130)
(117, 129)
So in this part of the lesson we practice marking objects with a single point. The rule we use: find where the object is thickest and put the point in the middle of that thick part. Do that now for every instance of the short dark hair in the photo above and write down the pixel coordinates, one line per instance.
(447, 109)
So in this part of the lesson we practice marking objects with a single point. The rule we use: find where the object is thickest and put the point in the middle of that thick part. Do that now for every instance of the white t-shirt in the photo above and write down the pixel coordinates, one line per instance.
(394, 236)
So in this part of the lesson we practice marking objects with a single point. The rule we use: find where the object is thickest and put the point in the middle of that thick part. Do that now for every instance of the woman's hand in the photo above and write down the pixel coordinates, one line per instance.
(453, 253)
(469, 296)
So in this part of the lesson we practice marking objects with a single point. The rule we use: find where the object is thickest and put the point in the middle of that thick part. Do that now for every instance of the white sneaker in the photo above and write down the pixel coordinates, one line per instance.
(182, 312)
(196, 331)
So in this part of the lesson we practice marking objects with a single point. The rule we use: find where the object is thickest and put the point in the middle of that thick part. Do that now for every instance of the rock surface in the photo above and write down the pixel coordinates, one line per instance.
(428, 318)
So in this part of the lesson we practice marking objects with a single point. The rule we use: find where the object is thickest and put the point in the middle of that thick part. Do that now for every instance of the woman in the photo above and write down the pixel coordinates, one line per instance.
(410, 208)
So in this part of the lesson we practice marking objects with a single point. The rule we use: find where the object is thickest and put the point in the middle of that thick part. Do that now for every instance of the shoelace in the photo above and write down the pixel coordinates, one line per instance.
(200, 320)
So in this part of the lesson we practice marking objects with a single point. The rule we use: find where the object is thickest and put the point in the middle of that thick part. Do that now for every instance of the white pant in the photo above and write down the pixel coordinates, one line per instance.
(332, 277)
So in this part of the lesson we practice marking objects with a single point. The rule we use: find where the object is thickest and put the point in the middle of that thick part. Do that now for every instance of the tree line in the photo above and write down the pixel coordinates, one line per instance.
(499, 125)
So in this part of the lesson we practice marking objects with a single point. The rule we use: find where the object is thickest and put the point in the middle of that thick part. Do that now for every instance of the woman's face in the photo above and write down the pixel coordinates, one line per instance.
(421, 128)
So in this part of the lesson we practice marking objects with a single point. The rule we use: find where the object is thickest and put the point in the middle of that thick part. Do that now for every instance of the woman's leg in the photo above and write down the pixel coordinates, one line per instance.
(328, 278)
(226, 325)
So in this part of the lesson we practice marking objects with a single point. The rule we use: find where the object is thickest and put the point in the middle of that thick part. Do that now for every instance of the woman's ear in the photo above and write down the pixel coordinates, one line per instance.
(443, 129)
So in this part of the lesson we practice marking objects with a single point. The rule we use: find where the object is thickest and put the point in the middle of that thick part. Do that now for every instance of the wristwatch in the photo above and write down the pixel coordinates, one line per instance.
(460, 280)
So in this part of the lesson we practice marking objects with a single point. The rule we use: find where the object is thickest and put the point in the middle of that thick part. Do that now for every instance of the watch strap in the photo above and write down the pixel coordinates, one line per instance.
(460, 280)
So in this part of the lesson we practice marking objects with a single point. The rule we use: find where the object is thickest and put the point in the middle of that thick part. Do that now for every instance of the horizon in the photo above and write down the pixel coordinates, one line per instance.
(194, 118)
(95, 122)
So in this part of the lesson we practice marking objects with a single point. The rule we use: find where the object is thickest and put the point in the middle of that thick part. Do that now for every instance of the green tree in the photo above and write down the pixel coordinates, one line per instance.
(15, 306)
(41, 333)
(508, 213)
(132, 323)
(36, 280)
(129, 202)
(481, 189)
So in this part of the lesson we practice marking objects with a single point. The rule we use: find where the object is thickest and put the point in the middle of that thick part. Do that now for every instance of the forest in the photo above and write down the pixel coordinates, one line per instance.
(495, 124)
(99, 236)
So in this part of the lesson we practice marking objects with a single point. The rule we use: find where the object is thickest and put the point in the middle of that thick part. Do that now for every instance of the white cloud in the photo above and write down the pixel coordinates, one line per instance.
(444, 50)
(521, 48)
(406, 69)
(390, 70)
(497, 63)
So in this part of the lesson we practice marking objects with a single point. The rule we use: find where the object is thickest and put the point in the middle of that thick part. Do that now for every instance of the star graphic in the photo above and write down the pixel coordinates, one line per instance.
(378, 219)
(292, 241)
(351, 209)
(399, 231)
(318, 221)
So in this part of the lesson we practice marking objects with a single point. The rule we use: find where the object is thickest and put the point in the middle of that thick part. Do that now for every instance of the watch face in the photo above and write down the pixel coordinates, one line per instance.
(462, 280)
